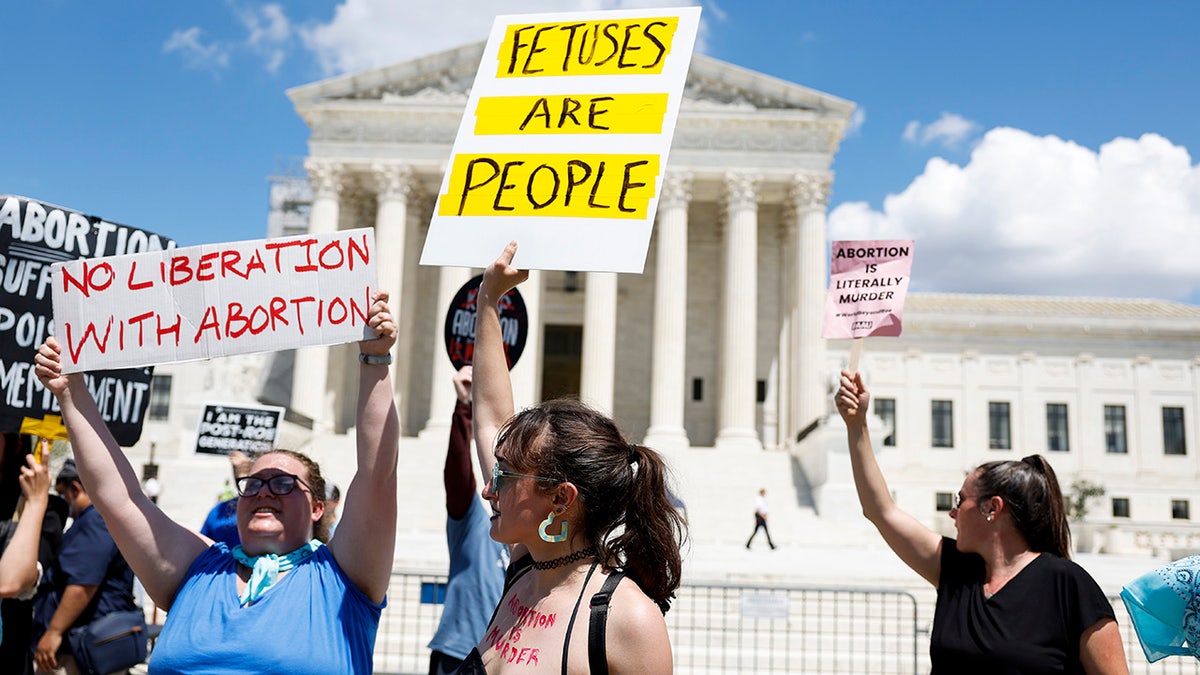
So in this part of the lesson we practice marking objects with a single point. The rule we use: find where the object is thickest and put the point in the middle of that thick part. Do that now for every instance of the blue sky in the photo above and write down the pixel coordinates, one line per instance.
(1028, 147)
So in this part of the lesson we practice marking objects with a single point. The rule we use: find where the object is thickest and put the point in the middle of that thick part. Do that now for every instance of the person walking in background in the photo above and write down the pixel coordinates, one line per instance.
(760, 518)
(221, 522)
(279, 602)
(89, 579)
(477, 562)
(1009, 599)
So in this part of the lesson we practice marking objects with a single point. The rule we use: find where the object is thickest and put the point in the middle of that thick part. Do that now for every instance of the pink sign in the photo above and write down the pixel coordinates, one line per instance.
(867, 284)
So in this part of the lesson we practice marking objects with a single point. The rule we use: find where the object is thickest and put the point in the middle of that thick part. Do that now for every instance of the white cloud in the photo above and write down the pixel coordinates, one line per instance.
(367, 34)
(268, 33)
(1039, 215)
(950, 131)
(196, 54)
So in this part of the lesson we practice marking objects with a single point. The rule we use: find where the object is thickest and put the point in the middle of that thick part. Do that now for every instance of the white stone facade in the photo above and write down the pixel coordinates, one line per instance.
(717, 343)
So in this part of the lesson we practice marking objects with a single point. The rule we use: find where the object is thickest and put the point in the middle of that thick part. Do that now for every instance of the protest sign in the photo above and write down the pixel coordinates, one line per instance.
(564, 141)
(215, 300)
(460, 325)
(225, 428)
(867, 284)
(33, 236)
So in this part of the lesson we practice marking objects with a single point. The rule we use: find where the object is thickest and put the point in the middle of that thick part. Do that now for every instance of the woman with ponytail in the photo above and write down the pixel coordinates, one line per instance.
(594, 538)
(1009, 599)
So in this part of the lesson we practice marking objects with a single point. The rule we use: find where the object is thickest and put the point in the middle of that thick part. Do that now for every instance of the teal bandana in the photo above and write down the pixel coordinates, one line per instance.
(265, 569)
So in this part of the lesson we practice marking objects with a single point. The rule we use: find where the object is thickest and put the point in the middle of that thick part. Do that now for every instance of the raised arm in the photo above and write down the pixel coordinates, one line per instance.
(491, 390)
(158, 549)
(458, 476)
(365, 540)
(18, 565)
(919, 547)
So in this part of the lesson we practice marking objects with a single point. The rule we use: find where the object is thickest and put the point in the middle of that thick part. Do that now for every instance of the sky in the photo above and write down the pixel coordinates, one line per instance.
(1027, 147)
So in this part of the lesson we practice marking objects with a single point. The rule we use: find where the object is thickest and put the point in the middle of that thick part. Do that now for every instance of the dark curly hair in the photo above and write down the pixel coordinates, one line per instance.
(622, 488)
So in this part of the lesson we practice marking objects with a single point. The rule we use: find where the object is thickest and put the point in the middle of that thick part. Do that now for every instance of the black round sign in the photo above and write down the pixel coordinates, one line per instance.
(460, 325)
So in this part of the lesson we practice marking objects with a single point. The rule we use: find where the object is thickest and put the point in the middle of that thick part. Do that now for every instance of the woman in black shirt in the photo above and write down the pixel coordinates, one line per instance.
(1009, 598)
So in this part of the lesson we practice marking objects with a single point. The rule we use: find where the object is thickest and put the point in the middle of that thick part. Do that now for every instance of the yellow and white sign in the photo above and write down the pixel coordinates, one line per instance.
(564, 141)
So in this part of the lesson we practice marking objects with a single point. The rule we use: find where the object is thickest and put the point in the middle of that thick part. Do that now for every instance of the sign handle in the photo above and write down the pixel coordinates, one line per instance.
(855, 353)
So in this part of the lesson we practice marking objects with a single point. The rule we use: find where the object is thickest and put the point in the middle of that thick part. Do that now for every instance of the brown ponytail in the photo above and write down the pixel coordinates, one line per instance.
(1031, 492)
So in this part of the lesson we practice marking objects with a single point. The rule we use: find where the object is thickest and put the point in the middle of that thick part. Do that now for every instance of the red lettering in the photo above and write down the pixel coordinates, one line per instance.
(234, 313)
(320, 311)
(101, 343)
(173, 328)
(300, 319)
(181, 270)
(209, 322)
(309, 267)
(229, 261)
(335, 246)
(352, 247)
(278, 306)
(138, 320)
(136, 286)
(69, 279)
(523, 654)
(334, 304)
(204, 267)
(278, 246)
(533, 656)
(255, 263)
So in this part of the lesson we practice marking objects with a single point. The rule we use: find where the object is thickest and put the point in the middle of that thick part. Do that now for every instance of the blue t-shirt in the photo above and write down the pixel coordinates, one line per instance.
(89, 557)
(476, 582)
(313, 620)
(221, 523)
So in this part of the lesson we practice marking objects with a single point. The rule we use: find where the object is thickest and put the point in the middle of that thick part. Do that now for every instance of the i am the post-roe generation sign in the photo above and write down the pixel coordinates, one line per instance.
(214, 300)
(564, 141)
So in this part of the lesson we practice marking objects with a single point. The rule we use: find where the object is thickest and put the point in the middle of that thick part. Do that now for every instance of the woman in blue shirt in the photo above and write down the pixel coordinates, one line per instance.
(224, 606)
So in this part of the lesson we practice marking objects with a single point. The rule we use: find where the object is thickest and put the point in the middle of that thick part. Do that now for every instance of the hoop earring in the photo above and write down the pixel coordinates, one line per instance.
(552, 538)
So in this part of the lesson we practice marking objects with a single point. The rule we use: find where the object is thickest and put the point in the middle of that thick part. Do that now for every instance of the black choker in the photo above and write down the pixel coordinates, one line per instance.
(589, 552)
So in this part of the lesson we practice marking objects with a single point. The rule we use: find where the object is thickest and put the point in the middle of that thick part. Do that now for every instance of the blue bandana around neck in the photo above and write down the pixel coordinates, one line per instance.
(265, 569)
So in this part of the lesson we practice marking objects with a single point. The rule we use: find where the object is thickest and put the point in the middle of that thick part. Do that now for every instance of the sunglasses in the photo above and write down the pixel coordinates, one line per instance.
(279, 484)
(498, 476)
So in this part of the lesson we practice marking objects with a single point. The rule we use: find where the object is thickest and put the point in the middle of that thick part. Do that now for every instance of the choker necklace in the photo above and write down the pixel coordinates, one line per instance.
(589, 552)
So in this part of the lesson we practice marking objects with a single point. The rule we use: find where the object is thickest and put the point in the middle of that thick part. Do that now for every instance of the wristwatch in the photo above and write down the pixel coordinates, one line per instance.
(372, 360)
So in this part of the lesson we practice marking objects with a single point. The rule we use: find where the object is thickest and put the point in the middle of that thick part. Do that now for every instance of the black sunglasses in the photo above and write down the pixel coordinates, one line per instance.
(279, 484)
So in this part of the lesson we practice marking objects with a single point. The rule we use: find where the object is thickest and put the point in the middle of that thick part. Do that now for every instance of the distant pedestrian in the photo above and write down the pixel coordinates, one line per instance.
(760, 518)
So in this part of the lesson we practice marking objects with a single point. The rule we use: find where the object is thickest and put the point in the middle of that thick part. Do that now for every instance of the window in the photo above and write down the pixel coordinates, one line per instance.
(160, 397)
(944, 501)
(1114, 429)
(943, 424)
(1120, 507)
(697, 389)
(886, 409)
(999, 426)
(1057, 439)
(1174, 442)
(760, 391)
(1179, 509)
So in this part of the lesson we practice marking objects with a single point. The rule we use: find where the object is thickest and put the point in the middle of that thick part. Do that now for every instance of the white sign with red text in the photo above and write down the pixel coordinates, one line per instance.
(213, 300)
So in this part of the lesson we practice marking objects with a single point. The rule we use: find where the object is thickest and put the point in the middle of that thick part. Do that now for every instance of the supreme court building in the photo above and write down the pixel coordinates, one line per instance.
(717, 344)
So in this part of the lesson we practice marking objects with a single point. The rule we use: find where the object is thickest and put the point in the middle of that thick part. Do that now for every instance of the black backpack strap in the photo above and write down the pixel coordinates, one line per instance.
(597, 651)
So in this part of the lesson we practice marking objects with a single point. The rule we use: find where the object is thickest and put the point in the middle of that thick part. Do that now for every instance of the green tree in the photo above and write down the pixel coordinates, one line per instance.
(1077, 499)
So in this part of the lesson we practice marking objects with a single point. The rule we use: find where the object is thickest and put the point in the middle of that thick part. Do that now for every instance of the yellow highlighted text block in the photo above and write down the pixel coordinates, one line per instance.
(571, 114)
(554, 185)
(607, 47)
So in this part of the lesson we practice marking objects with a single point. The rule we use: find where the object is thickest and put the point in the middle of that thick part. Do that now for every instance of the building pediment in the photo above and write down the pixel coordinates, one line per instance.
(446, 76)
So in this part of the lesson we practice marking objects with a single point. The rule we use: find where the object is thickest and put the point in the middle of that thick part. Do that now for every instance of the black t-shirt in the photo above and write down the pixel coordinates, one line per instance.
(1031, 625)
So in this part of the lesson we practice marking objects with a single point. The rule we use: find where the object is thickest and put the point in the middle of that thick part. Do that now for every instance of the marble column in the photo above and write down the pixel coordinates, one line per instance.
(527, 374)
(809, 195)
(599, 358)
(392, 183)
(441, 394)
(736, 426)
(311, 396)
(668, 384)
